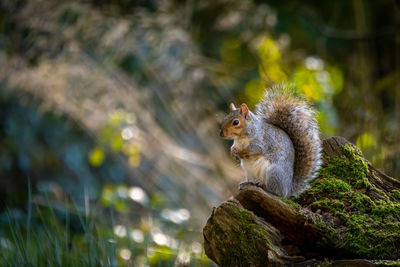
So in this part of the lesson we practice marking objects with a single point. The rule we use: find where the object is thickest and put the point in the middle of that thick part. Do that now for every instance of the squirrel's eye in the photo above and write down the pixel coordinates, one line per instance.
(235, 122)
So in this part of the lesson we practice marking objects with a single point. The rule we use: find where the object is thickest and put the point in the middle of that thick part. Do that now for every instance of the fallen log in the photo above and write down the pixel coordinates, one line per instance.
(350, 216)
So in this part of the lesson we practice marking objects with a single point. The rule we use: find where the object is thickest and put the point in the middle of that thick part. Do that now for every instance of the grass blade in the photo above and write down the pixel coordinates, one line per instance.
(29, 218)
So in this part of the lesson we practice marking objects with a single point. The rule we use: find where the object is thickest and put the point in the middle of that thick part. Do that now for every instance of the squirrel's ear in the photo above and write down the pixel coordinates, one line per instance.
(244, 110)
(232, 107)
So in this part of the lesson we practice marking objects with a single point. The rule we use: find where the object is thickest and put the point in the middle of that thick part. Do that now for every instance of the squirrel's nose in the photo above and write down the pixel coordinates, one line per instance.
(221, 133)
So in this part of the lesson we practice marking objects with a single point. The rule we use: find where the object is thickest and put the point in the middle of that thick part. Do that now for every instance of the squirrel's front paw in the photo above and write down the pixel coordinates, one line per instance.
(256, 182)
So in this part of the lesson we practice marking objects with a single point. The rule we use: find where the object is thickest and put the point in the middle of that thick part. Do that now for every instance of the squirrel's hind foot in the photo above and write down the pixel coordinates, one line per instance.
(255, 182)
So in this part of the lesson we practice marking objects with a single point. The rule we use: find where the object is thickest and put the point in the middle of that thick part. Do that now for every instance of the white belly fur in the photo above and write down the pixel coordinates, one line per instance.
(255, 168)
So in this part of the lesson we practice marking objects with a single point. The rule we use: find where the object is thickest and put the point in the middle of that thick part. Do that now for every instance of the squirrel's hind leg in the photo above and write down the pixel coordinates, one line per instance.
(279, 180)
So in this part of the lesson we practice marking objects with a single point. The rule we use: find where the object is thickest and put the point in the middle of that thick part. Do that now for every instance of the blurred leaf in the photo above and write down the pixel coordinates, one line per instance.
(231, 50)
(134, 160)
(117, 118)
(305, 80)
(131, 149)
(366, 140)
(270, 67)
(268, 51)
(254, 90)
(336, 78)
(327, 124)
(107, 195)
(157, 200)
(121, 205)
(96, 156)
(159, 254)
(116, 142)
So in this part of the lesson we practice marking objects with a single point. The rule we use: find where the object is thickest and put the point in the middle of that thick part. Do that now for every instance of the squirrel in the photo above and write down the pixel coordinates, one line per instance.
(278, 146)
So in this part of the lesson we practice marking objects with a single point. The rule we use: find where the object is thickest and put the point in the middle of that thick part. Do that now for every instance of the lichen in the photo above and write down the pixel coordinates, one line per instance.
(370, 226)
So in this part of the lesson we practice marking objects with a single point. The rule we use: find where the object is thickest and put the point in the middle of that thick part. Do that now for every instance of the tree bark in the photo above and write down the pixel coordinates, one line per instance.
(232, 229)
(257, 228)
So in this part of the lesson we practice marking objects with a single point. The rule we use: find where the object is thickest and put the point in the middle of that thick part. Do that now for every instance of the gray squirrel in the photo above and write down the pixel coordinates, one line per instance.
(278, 146)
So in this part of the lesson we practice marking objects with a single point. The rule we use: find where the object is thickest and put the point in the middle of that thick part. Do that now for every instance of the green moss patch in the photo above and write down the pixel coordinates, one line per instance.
(351, 169)
(327, 205)
(291, 203)
(395, 194)
(243, 240)
(387, 263)
(369, 220)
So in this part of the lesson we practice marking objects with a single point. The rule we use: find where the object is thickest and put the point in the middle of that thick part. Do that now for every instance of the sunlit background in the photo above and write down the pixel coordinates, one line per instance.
(109, 111)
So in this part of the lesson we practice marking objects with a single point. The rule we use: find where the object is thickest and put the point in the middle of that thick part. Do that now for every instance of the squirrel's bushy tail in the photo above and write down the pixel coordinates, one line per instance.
(293, 115)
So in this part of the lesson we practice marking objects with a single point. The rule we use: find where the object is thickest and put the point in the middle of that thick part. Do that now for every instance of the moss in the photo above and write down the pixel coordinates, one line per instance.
(333, 206)
(360, 201)
(371, 236)
(291, 203)
(377, 178)
(370, 226)
(329, 187)
(363, 183)
(381, 193)
(387, 263)
(248, 236)
(395, 194)
(352, 169)
(385, 208)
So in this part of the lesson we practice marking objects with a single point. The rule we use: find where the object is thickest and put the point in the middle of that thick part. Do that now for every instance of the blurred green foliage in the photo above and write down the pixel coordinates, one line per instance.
(37, 148)
(48, 148)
